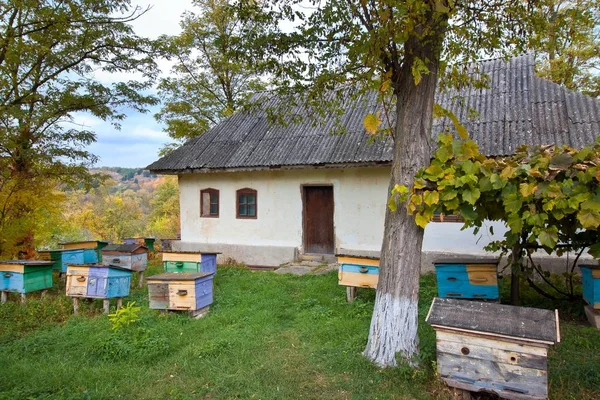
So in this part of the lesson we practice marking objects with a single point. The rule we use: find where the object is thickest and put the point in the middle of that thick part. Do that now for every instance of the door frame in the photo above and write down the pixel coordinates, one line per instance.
(303, 196)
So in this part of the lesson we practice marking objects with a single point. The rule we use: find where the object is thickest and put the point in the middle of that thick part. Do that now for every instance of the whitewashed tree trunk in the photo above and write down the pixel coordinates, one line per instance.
(394, 322)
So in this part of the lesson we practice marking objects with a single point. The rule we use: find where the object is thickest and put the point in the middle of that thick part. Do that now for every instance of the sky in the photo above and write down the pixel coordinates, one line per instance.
(140, 138)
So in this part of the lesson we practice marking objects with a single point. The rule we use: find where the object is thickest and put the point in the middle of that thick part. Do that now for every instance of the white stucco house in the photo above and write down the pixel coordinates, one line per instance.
(266, 194)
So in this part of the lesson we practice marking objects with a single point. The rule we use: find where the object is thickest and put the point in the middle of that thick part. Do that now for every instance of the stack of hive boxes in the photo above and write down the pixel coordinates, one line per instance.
(187, 284)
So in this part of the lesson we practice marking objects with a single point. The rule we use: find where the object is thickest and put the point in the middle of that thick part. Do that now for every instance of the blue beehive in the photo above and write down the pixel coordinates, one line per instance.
(97, 281)
(63, 257)
(467, 279)
(590, 275)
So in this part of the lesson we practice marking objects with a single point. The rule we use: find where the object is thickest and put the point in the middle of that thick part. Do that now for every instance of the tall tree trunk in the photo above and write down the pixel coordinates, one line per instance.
(394, 323)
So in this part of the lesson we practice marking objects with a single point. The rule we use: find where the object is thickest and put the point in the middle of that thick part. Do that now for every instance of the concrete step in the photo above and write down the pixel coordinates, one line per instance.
(324, 258)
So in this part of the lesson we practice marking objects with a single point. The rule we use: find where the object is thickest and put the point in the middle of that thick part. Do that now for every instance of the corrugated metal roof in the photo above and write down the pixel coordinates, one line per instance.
(517, 107)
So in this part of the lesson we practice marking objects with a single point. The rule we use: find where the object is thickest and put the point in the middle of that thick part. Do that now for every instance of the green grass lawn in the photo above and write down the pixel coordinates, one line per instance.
(267, 336)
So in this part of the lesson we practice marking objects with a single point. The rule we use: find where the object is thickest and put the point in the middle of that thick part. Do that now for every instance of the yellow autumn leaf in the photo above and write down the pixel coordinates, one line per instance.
(385, 85)
(372, 122)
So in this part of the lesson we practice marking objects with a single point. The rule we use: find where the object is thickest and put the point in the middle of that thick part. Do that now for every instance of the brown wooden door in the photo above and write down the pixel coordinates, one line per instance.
(318, 219)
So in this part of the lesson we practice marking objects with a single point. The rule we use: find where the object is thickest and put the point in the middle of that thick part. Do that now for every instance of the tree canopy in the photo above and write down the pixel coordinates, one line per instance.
(213, 75)
(50, 54)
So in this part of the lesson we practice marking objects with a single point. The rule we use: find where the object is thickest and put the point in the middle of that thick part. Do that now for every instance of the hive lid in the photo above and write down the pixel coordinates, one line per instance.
(123, 248)
(493, 319)
(467, 260)
(190, 252)
(61, 250)
(94, 265)
(356, 256)
(590, 266)
(178, 276)
(26, 262)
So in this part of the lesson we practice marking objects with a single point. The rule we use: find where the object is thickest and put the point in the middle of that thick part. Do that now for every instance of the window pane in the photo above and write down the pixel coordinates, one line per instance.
(214, 209)
(205, 203)
(252, 210)
(242, 199)
(242, 210)
(214, 198)
(251, 199)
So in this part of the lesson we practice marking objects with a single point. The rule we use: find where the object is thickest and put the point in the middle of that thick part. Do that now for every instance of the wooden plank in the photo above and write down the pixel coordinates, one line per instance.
(506, 394)
(350, 294)
(174, 276)
(358, 280)
(193, 257)
(158, 295)
(464, 339)
(359, 261)
(493, 375)
(482, 274)
(182, 296)
(495, 319)
(488, 353)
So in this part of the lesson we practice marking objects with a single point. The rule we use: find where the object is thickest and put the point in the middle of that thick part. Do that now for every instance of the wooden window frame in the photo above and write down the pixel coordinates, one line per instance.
(240, 192)
(211, 192)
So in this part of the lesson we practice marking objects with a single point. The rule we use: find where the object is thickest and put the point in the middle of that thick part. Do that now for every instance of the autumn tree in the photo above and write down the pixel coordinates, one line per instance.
(399, 48)
(213, 74)
(50, 54)
(163, 220)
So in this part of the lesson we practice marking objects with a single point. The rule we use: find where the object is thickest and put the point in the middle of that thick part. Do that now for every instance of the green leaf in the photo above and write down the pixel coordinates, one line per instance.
(448, 195)
(515, 223)
(392, 204)
(592, 204)
(589, 219)
(548, 238)
(470, 195)
(497, 181)
(443, 154)
(418, 68)
(485, 184)
(512, 204)
(468, 212)
(594, 250)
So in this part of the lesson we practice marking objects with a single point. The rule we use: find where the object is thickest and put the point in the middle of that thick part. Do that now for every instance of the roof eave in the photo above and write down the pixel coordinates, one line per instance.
(369, 164)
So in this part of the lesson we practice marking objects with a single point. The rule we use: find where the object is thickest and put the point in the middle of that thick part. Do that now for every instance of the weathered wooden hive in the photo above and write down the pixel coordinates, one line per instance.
(24, 276)
(183, 291)
(189, 262)
(62, 257)
(97, 281)
(129, 256)
(493, 347)
(92, 249)
(467, 279)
